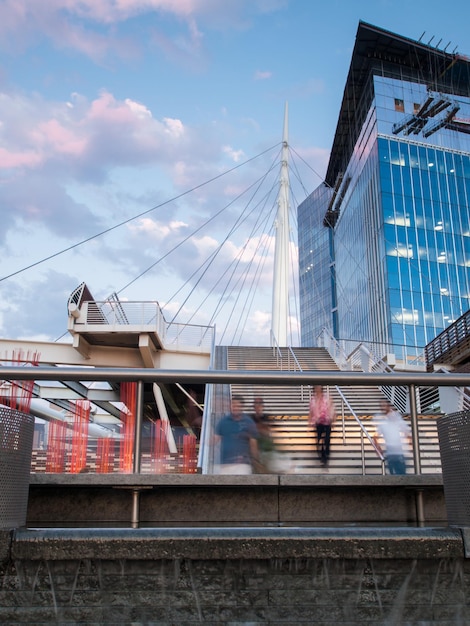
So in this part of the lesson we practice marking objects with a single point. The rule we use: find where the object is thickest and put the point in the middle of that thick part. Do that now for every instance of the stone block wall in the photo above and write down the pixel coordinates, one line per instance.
(248, 577)
(262, 591)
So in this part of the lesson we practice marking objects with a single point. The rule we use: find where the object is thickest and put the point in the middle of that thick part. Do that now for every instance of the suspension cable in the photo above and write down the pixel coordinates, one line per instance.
(130, 219)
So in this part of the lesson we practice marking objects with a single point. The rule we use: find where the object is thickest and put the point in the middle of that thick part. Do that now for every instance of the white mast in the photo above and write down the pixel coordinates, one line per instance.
(280, 305)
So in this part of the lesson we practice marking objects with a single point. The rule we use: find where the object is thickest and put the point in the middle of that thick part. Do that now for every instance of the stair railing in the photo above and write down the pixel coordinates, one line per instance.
(297, 366)
(366, 361)
(332, 346)
(205, 461)
(277, 352)
(462, 393)
(363, 431)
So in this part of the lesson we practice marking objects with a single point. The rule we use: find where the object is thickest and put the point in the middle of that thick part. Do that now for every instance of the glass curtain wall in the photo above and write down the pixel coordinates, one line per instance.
(316, 267)
(400, 246)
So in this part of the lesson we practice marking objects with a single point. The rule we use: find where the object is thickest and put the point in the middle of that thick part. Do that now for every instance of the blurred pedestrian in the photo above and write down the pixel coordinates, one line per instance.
(265, 440)
(322, 414)
(394, 432)
(238, 438)
(194, 413)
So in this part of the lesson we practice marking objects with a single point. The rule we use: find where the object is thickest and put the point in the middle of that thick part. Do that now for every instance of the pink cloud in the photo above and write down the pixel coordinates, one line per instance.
(60, 139)
(88, 138)
(11, 159)
(73, 23)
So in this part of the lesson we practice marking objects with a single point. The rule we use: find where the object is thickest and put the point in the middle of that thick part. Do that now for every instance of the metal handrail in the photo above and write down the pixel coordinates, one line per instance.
(327, 341)
(296, 360)
(277, 350)
(107, 374)
(364, 431)
(463, 395)
(397, 394)
(207, 419)
(448, 339)
(267, 377)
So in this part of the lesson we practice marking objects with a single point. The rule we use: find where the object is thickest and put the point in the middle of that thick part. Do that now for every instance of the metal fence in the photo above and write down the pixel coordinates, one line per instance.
(454, 443)
(16, 441)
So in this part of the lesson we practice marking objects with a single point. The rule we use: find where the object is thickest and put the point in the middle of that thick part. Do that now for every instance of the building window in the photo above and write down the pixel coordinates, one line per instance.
(399, 105)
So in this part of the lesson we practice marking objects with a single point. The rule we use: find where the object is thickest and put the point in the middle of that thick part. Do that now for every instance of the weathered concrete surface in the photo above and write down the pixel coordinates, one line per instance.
(466, 541)
(216, 576)
(92, 499)
(5, 545)
(218, 480)
(255, 592)
(238, 543)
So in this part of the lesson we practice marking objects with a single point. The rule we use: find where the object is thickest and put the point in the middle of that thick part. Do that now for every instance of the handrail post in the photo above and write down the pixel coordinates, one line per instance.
(414, 429)
(137, 460)
(343, 422)
(139, 410)
(135, 517)
(416, 456)
(363, 459)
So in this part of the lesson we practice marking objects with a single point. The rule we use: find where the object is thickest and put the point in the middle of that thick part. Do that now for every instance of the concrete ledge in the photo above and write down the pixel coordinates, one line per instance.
(237, 543)
(253, 480)
(97, 500)
(340, 480)
(151, 480)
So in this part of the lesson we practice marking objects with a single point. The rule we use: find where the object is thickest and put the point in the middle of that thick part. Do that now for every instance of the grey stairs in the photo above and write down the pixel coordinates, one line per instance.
(288, 408)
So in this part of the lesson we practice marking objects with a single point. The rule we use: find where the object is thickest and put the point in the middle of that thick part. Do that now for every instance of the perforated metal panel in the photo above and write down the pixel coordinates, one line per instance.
(454, 444)
(16, 442)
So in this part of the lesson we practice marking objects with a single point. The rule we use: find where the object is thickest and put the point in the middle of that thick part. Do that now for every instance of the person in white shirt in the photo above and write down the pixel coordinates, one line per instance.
(394, 432)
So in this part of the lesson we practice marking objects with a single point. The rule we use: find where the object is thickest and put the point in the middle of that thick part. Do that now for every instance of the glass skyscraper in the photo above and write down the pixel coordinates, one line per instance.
(384, 242)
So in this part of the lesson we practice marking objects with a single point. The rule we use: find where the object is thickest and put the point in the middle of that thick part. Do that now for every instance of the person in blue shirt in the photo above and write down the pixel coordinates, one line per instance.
(238, 436)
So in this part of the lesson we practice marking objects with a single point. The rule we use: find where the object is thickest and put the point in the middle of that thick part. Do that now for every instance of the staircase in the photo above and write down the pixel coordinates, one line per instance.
(288, 408)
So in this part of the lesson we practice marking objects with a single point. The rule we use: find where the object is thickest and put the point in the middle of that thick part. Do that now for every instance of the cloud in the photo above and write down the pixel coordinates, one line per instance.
(91, 27)
(83, 138)
(34, 200)
(259, 75)
(46, 147)
(156, 231)
(22, 317)
(235, 155)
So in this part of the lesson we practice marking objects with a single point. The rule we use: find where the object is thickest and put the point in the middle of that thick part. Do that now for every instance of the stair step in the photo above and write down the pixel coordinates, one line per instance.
(288, 408)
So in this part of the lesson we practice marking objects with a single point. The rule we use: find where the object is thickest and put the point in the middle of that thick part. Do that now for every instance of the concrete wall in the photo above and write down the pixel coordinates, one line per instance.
(234, 550)
(108, 499)
(244, 576)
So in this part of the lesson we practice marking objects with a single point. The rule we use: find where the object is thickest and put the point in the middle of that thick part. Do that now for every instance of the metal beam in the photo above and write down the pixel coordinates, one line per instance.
(312, 377)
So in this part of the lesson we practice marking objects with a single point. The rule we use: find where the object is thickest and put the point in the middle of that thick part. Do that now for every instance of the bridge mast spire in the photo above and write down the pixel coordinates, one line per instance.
(280, 304)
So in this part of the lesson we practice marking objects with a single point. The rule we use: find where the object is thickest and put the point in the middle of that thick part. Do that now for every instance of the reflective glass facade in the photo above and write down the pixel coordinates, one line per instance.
(390, 261)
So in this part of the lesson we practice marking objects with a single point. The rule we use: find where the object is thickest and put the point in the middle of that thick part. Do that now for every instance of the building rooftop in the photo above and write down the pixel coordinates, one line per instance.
(398, 57)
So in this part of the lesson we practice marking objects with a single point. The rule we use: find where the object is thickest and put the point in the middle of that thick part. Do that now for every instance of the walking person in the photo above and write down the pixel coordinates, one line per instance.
(238, 437)
(394, 432)
(265, 440)
(322, 414)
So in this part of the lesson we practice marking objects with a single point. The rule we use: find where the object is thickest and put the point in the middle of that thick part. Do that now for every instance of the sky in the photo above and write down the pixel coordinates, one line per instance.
(140, 147)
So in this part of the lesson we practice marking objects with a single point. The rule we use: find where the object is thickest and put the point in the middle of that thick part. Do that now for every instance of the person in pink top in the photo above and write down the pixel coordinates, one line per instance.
(322, 414)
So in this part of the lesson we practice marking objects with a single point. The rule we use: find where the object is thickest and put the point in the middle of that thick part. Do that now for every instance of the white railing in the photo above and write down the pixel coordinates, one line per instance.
(148, 316)
(125, 313)
(341, 349)
(334, 349)
(188, 336)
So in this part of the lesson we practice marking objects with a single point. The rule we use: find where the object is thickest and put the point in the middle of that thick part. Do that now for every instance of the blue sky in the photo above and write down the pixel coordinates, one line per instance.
(109, 108)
